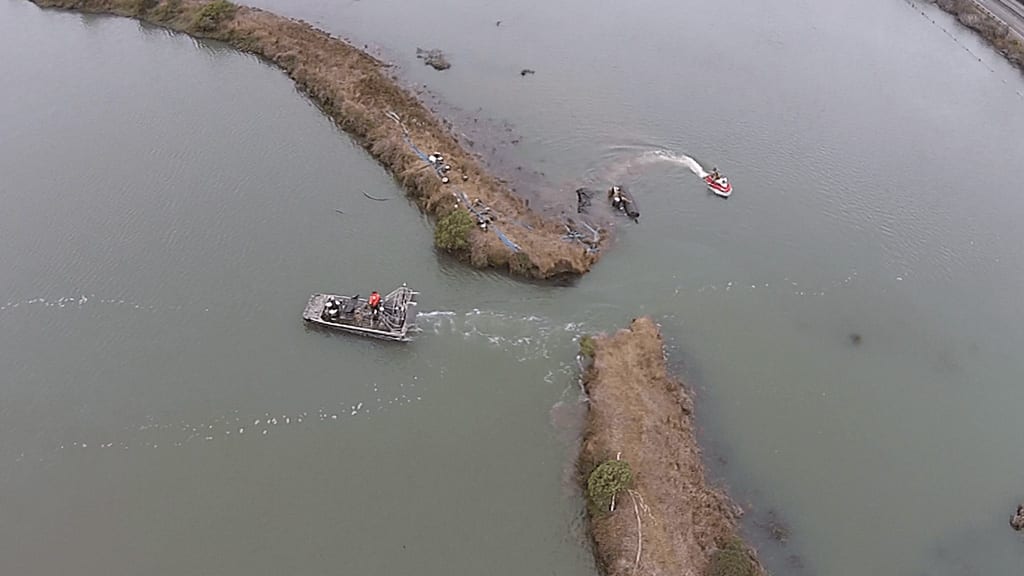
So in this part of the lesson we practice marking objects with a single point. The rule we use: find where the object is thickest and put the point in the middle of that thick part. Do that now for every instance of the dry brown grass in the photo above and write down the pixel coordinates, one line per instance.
(639, 413)
(355, 90)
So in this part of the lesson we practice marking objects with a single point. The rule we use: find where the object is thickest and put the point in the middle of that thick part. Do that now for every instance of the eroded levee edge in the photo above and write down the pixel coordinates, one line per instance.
(669, 520)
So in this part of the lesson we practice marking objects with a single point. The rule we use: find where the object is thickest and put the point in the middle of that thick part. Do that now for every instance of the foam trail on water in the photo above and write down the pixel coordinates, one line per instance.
(618, 169)
(683, 159)
(435, 314)
(79, 301)
(527, 336)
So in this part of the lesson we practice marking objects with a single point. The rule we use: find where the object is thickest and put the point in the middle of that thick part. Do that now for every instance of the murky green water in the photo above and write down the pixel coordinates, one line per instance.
(169, 206)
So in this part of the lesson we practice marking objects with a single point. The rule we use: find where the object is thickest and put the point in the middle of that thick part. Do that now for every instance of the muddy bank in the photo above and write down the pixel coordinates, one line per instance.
(996, 33)
(356, 90)
(669, 520)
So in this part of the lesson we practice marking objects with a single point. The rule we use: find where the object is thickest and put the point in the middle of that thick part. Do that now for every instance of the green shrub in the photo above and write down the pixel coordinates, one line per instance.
(607, 480)
(452, 231)
(588, 346)
(212, 15)
(731, 560)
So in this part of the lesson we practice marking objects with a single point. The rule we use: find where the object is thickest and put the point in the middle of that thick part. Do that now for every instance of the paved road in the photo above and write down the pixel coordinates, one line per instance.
(1010, 12)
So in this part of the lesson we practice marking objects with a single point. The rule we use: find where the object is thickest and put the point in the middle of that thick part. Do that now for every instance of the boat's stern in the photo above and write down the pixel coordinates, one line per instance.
(721, 187)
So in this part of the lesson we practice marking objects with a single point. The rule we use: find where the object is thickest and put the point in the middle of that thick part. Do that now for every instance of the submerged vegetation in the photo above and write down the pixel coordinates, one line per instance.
(434, 58)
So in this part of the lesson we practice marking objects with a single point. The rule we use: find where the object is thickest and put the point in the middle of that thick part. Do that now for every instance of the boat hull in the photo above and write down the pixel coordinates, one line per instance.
(626, 206)
(367, 332)
(721, 187)
(394, 322)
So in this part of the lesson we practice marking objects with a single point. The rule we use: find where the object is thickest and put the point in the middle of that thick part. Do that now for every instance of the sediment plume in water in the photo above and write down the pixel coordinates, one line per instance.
(355, 90)
(668, 519)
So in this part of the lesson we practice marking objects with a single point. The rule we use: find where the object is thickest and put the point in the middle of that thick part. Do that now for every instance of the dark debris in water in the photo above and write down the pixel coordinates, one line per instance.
(434, 58)
(774, 527)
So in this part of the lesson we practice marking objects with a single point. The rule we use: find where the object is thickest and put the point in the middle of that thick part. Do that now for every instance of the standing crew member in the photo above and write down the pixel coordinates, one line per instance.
(374, 302)
(618, 199)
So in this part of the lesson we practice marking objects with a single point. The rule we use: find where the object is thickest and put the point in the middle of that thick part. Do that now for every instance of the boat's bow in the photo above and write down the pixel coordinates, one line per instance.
(720, 185)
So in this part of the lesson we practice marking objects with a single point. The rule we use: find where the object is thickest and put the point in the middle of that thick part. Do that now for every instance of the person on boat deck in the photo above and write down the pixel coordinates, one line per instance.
(374, 302)
(331, 309)
(714, 174)
(617, 197)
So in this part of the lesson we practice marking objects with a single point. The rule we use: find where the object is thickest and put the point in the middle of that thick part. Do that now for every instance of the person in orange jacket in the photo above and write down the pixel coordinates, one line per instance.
(374, 302)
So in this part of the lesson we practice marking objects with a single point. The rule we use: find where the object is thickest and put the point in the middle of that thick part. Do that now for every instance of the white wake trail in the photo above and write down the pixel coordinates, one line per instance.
(683, 159)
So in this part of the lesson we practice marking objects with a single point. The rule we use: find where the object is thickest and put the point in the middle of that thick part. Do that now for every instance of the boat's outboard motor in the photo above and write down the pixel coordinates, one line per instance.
(621, 200)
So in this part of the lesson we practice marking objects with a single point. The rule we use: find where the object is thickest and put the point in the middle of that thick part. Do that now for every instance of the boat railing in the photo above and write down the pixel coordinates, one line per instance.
(395, 308)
